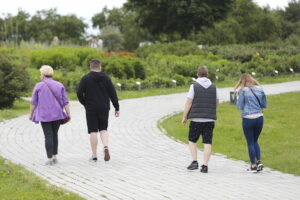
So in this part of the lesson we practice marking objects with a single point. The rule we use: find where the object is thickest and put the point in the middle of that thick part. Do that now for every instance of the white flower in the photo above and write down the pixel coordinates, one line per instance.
(253, 73)
(174, 81)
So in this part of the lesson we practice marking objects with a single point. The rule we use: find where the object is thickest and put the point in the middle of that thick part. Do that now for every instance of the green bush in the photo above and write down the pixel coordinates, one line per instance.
(180, 80)
(158, 82)
(14, 79)
(63, 58)
(124, 67)
(178, 48)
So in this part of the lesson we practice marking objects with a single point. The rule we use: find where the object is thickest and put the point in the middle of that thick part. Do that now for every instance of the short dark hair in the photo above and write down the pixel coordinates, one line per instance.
(95, 63)
(202, 71)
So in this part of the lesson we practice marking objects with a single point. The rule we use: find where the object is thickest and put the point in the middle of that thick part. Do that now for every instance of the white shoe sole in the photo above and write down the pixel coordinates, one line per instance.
(260, 167)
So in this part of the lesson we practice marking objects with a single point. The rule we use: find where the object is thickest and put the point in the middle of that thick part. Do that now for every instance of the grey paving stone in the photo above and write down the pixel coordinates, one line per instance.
(145, 163)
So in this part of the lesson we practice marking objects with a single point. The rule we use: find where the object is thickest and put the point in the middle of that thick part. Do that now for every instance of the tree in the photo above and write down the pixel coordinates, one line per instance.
(126, 22)
(112, 38)
(14, 79)
(292, 11)
(246, 23)
(69, 28)
(178, 17)
(41, 27)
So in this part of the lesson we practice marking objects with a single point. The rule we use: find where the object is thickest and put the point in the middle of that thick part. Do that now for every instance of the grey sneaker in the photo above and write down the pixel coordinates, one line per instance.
(55, 161)
(49, 163)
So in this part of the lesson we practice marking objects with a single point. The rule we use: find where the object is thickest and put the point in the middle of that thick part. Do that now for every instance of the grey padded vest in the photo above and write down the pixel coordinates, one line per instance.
(204, 102)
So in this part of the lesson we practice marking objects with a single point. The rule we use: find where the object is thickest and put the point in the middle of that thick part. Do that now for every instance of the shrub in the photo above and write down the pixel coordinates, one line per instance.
(159, 82)
(14, 79)
(180, 80)
(61, 58)
(178, 48)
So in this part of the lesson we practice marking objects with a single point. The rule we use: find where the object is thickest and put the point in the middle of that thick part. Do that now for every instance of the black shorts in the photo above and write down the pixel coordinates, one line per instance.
(97, 121)
(201, 128)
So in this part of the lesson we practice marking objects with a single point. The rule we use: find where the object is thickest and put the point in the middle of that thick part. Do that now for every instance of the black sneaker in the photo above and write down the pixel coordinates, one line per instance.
(93, 159)
(193, 165)
(252, 169)
(259, 165)
(204, 169)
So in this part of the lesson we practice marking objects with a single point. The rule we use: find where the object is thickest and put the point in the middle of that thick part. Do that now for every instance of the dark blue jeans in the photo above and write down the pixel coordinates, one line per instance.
(252, 129)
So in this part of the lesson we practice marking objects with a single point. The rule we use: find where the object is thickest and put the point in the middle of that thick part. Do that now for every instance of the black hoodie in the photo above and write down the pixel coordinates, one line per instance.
(94, 91)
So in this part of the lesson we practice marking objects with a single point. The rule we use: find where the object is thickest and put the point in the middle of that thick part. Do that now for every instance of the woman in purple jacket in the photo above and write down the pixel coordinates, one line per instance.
(48, 109)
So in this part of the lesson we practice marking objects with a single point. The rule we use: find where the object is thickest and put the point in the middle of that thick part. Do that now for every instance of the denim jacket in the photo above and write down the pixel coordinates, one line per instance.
(248, 103)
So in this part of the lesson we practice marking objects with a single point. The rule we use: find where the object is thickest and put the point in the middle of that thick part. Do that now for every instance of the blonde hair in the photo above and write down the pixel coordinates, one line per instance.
(246, 80)
(46, 70)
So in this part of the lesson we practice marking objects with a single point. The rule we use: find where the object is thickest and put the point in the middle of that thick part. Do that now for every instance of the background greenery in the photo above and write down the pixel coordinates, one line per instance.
(279, 140)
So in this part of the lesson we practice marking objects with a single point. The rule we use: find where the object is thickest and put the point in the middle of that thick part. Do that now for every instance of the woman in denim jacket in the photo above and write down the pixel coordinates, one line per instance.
(251, 101)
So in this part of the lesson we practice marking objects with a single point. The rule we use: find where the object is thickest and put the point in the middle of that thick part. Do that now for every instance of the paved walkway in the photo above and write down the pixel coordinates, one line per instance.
(145, 164)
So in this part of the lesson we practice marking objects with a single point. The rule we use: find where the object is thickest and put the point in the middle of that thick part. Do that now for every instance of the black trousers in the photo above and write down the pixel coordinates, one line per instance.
(51, 138)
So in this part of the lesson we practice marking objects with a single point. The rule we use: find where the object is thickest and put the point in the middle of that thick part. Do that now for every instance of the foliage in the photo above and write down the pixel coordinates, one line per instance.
(112, 38)
(42, 27)
(125, 67)
(178, 48)
(62, 57)
(229, 138)
(248, 23)
(177, 19)
(126, 21)
(14, 79)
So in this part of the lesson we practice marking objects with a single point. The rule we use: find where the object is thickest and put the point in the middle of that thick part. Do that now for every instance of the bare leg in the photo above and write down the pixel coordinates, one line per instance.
(104, 137)
(94, 142)
(193, 149)
(207, 152)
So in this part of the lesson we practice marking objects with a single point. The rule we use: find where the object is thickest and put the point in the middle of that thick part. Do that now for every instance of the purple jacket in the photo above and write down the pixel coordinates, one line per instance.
(47, 108)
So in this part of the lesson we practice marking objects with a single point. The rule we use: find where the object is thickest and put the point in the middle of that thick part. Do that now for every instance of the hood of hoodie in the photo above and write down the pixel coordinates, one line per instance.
(98, 76)
(205, 82)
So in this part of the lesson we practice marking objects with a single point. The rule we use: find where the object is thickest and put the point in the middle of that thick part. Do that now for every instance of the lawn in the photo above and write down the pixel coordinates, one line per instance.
(279, 140)
(17, 183)
(20, 107)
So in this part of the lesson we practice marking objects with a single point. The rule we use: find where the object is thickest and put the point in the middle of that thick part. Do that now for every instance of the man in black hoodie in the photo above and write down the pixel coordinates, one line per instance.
(94, 91)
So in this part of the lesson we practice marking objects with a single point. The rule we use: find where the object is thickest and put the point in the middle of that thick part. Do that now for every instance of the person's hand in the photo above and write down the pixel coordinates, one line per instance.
(117, 113)
(184, 120)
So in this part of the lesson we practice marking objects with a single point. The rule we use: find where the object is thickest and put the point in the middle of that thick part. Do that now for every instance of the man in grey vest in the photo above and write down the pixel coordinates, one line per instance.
(200, 107)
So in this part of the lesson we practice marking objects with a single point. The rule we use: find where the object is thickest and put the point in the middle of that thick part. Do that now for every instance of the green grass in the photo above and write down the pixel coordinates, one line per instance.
(279, 139)
(20, 107)
(18, 183)
(220, 84)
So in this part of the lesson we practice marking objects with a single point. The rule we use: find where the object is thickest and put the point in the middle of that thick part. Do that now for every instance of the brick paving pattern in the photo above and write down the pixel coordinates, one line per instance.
(145, 163)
